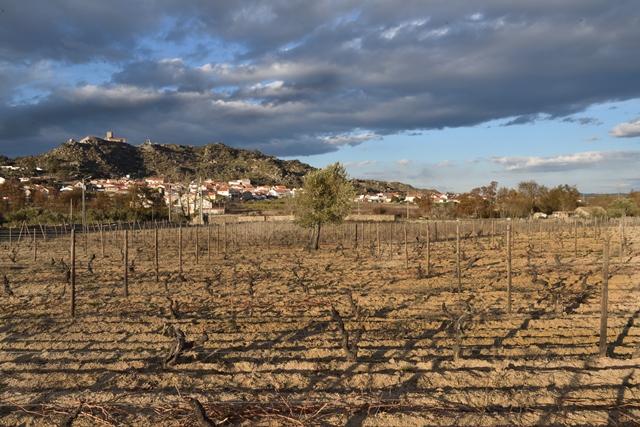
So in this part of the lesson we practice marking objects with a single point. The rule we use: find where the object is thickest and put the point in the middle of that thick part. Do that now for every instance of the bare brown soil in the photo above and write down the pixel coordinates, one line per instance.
(274, 354)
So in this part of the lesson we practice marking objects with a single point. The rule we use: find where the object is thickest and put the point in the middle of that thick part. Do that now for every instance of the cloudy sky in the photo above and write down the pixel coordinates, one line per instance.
(439, 94)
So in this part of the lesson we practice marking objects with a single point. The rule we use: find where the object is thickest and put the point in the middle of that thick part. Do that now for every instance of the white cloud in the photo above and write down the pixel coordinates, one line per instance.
(392, 32)
(565, 162)
(351, 140)
(445, 164)
(360, 164)
(366, 162)
(628, 129)
(403, 161)
(122, 95)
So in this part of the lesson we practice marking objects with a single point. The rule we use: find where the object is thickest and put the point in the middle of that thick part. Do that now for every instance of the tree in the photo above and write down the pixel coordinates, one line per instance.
(490, 192)
(325, 199)
(472, 205)
(560, 198)
(503, 196)
(531, 193)
(623, 207)
(12, 196)
(425, 205)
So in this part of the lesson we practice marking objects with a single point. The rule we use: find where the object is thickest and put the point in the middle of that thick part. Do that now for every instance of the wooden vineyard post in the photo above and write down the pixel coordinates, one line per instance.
(428, 272)
(509, 243)
(406, 249)
(575, 238)
(157, 263)
(378, 237)
(391, 240)
(540, 234)
(605, 299)
(234, 237)
(197, 244)
(180, 250)
(621, 238)
(225, 237)
(102, 238)
(208, 242)
(493, 232)
(35, 247)
(218, 239)
(44, 233)
(561, 236)
(458, 272)
(20, 234)
(72, 278)
(126, 263)
(355, 240)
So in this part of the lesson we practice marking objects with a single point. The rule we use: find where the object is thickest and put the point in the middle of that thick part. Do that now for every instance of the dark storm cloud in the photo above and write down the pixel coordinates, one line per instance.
(300, 78)
(74, 31)
(165, 73)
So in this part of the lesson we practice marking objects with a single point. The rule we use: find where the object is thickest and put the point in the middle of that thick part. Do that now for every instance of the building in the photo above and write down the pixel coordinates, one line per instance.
(110, 137)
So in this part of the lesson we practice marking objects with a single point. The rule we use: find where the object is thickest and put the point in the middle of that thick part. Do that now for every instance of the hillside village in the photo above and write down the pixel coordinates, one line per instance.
(209, 195)
(211, 178)
(185, 177)
(216, 179)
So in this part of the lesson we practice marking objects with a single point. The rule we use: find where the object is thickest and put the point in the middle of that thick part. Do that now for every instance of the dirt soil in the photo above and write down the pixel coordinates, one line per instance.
(262, 346)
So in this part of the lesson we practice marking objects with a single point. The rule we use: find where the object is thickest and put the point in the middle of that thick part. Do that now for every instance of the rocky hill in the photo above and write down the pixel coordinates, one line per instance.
(100, 158)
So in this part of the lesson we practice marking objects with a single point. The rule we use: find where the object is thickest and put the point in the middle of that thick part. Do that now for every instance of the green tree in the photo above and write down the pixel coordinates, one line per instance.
(560, 198)
(325, 199)
(623, 207)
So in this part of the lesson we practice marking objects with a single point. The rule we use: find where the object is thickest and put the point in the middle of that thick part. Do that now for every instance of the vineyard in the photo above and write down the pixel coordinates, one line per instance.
(497, 323)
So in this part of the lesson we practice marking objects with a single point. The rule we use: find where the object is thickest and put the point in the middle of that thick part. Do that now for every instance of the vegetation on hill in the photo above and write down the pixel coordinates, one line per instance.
(100, 158)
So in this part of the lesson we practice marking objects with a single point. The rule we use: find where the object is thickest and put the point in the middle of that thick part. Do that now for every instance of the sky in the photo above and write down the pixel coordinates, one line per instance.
(441, 94)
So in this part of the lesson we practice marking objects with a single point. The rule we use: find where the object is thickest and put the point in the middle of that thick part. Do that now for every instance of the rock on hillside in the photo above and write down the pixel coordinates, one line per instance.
(101, 158)
(92, 156)
(110, 159)
(221, 162)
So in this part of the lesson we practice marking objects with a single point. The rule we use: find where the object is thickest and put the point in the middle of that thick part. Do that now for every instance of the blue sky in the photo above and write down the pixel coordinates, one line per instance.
(439, 94)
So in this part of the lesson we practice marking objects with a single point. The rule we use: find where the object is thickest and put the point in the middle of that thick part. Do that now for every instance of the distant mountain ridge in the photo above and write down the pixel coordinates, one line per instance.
(102, 158)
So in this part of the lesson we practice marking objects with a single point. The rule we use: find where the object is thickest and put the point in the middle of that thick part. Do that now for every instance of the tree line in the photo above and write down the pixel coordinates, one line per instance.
(48, 205)
(529, 198)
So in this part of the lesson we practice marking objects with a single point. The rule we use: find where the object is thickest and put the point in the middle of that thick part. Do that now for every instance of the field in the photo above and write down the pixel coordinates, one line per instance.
(262, 317)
